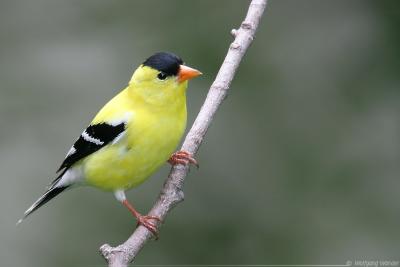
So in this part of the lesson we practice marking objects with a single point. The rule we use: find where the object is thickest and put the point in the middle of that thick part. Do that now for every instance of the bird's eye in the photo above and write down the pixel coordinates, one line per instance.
(162, 76)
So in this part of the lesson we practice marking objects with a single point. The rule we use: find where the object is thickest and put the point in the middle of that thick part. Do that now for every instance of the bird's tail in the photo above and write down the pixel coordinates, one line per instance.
(48, 195)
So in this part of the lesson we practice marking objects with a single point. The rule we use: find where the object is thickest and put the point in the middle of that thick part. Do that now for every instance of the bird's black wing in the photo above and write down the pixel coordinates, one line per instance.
(91, 140)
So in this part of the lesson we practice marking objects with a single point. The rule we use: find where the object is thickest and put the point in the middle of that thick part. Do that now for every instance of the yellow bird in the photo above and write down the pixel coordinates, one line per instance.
(132, 135)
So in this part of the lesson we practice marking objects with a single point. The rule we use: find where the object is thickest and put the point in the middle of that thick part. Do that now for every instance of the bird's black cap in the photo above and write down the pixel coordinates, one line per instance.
(166, 62)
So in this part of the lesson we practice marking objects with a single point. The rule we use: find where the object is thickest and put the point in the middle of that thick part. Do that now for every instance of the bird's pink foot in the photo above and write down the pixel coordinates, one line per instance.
(182, 157)
(144, 220)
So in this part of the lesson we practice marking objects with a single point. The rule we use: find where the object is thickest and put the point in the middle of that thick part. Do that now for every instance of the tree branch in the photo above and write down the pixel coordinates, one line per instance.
(172, 191)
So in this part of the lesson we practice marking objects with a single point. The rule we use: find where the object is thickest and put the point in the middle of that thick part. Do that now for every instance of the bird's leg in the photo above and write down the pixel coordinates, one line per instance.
(144, 220)
(182, 157)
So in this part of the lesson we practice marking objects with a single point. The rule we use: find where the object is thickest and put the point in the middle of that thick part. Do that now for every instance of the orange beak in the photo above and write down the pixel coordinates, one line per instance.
(186, 73)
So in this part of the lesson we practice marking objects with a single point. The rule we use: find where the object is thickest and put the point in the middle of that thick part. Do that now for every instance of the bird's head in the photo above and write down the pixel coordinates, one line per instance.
(162, 78)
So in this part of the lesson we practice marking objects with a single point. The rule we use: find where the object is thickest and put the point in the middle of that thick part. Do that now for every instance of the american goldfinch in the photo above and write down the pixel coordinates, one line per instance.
(131, 136)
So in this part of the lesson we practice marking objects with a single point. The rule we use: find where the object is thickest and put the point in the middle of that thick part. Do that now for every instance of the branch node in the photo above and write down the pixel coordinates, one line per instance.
(106, 250)
(219, 87)
(234, 33)
(236, 46)
(247, 25)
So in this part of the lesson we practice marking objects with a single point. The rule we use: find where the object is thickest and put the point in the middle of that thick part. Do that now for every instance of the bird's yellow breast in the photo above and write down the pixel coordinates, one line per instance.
(152, 134)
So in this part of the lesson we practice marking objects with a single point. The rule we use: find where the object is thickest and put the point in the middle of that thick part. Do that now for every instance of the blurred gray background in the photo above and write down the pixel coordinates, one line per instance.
(301, 165)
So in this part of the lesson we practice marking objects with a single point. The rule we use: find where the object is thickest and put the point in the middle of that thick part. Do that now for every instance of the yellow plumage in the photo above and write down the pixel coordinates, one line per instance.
(131, 136)
(156, 120)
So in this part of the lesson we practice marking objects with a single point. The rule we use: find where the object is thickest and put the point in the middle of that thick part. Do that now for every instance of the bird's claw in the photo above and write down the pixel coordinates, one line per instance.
(182, 157)
(145, 220)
